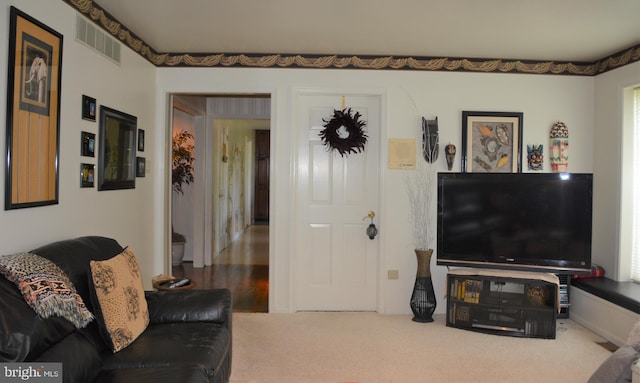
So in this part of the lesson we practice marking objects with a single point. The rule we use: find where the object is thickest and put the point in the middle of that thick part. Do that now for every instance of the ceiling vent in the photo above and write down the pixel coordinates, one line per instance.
(95, 38)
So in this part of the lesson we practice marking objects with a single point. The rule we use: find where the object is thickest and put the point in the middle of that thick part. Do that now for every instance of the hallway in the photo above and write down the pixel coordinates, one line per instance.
(243, 267)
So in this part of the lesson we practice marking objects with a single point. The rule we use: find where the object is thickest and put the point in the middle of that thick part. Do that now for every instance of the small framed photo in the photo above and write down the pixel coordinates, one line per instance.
(87, 175)
(491, 142)
(88, 108)
(88, 144)
(140, 140)
(140, 166)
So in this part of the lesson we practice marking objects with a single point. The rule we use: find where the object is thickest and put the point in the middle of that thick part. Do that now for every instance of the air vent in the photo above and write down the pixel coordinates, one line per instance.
(95, 38)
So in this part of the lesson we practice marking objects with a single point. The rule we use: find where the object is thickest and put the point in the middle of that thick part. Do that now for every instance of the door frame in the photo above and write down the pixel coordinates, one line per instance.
(284, 154)
(208, 169)
(294, 131)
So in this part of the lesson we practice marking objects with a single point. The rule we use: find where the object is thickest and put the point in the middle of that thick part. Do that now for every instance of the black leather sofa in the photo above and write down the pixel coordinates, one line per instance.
(188, 338)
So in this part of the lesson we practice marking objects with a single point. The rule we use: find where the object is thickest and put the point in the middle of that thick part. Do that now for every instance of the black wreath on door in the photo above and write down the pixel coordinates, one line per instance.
(344, 132)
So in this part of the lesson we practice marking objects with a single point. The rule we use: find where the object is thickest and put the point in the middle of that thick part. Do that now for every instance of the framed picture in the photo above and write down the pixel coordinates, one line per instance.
(88, 144)
(87, 175)
(33, 113)
(140, 140)
(116, 150)
(88, 108)
(491, 142)
(140, 166)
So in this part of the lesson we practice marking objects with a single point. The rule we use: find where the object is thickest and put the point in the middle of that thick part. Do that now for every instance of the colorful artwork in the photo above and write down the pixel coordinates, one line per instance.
(535, 157)
(491, 142)
(559, 156)
(492, 145)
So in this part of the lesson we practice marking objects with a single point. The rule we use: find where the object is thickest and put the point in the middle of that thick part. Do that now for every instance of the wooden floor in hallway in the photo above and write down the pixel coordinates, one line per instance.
(243, 268)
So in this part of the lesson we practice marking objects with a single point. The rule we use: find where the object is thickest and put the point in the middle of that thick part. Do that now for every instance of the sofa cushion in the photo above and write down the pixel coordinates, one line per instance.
(633, 339)
(45, 287)
(617, 367)
(73, 257)
(80, 360)
(206, 345)
(193, 306)
(29, 336)
(119, 299)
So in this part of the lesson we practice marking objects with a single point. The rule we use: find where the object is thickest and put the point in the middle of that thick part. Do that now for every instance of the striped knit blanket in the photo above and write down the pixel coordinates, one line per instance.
(45, 287)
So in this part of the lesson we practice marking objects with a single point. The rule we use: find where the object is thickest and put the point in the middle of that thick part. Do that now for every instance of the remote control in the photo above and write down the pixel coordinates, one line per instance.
(179, 283)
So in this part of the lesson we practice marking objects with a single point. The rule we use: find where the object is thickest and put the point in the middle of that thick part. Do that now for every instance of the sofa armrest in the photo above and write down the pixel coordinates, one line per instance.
(617, 368)
(190, 306)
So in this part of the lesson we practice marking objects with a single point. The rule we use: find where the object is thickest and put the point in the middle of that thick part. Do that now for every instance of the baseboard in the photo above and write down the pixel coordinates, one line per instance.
(604, 318)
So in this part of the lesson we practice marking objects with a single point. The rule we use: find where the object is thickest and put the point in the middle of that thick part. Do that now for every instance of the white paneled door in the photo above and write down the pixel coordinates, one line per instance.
(336, 264)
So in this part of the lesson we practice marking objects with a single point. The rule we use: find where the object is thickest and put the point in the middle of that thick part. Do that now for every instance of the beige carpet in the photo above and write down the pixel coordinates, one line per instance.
(374, 348)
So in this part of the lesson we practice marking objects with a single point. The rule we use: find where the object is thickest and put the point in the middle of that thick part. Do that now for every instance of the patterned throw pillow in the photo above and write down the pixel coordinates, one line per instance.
(121, 308)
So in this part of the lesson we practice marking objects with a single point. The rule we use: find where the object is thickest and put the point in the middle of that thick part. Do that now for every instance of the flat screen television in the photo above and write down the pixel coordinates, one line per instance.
(520, 221)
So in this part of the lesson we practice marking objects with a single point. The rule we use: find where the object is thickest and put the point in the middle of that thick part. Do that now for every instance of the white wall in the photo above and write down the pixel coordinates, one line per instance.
(408, 96)
(126, 215)
(589, 106)
(609, 149)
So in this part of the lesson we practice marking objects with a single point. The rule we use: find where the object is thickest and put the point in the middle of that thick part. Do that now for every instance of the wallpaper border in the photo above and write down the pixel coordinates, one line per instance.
(444, 64)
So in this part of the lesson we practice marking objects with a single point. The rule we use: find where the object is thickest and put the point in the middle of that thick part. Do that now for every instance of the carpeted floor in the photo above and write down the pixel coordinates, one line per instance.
(323, 347)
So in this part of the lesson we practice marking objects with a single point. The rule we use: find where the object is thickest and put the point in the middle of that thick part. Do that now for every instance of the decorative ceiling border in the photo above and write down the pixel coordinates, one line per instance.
(445, 64)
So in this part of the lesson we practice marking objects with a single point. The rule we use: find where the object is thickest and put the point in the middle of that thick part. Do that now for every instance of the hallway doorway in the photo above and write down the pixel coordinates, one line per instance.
(229, 242)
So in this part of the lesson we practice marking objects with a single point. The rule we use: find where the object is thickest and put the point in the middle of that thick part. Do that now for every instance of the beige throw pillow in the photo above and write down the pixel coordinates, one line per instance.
(123, 313)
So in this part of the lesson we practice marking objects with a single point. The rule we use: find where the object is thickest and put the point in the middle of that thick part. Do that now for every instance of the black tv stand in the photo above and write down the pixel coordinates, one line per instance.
(523, 304)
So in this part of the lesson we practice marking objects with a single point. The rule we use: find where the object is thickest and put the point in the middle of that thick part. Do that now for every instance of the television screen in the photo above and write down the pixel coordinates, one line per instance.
(523, 221)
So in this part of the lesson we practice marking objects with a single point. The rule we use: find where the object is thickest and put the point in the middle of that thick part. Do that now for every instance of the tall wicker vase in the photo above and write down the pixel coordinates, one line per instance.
(423, 298)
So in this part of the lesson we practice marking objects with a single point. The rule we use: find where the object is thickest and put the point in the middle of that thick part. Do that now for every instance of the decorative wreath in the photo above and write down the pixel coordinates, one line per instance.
(351, 139)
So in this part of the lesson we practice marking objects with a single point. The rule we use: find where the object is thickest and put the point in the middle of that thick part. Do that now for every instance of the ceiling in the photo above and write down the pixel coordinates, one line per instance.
(560, 30)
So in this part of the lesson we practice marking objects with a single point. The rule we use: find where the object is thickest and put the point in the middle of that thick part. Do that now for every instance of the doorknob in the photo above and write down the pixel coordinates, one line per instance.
(371, 230)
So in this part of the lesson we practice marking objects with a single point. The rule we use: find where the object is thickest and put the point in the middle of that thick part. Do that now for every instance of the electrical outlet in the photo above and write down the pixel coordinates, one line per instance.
(392, 274)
